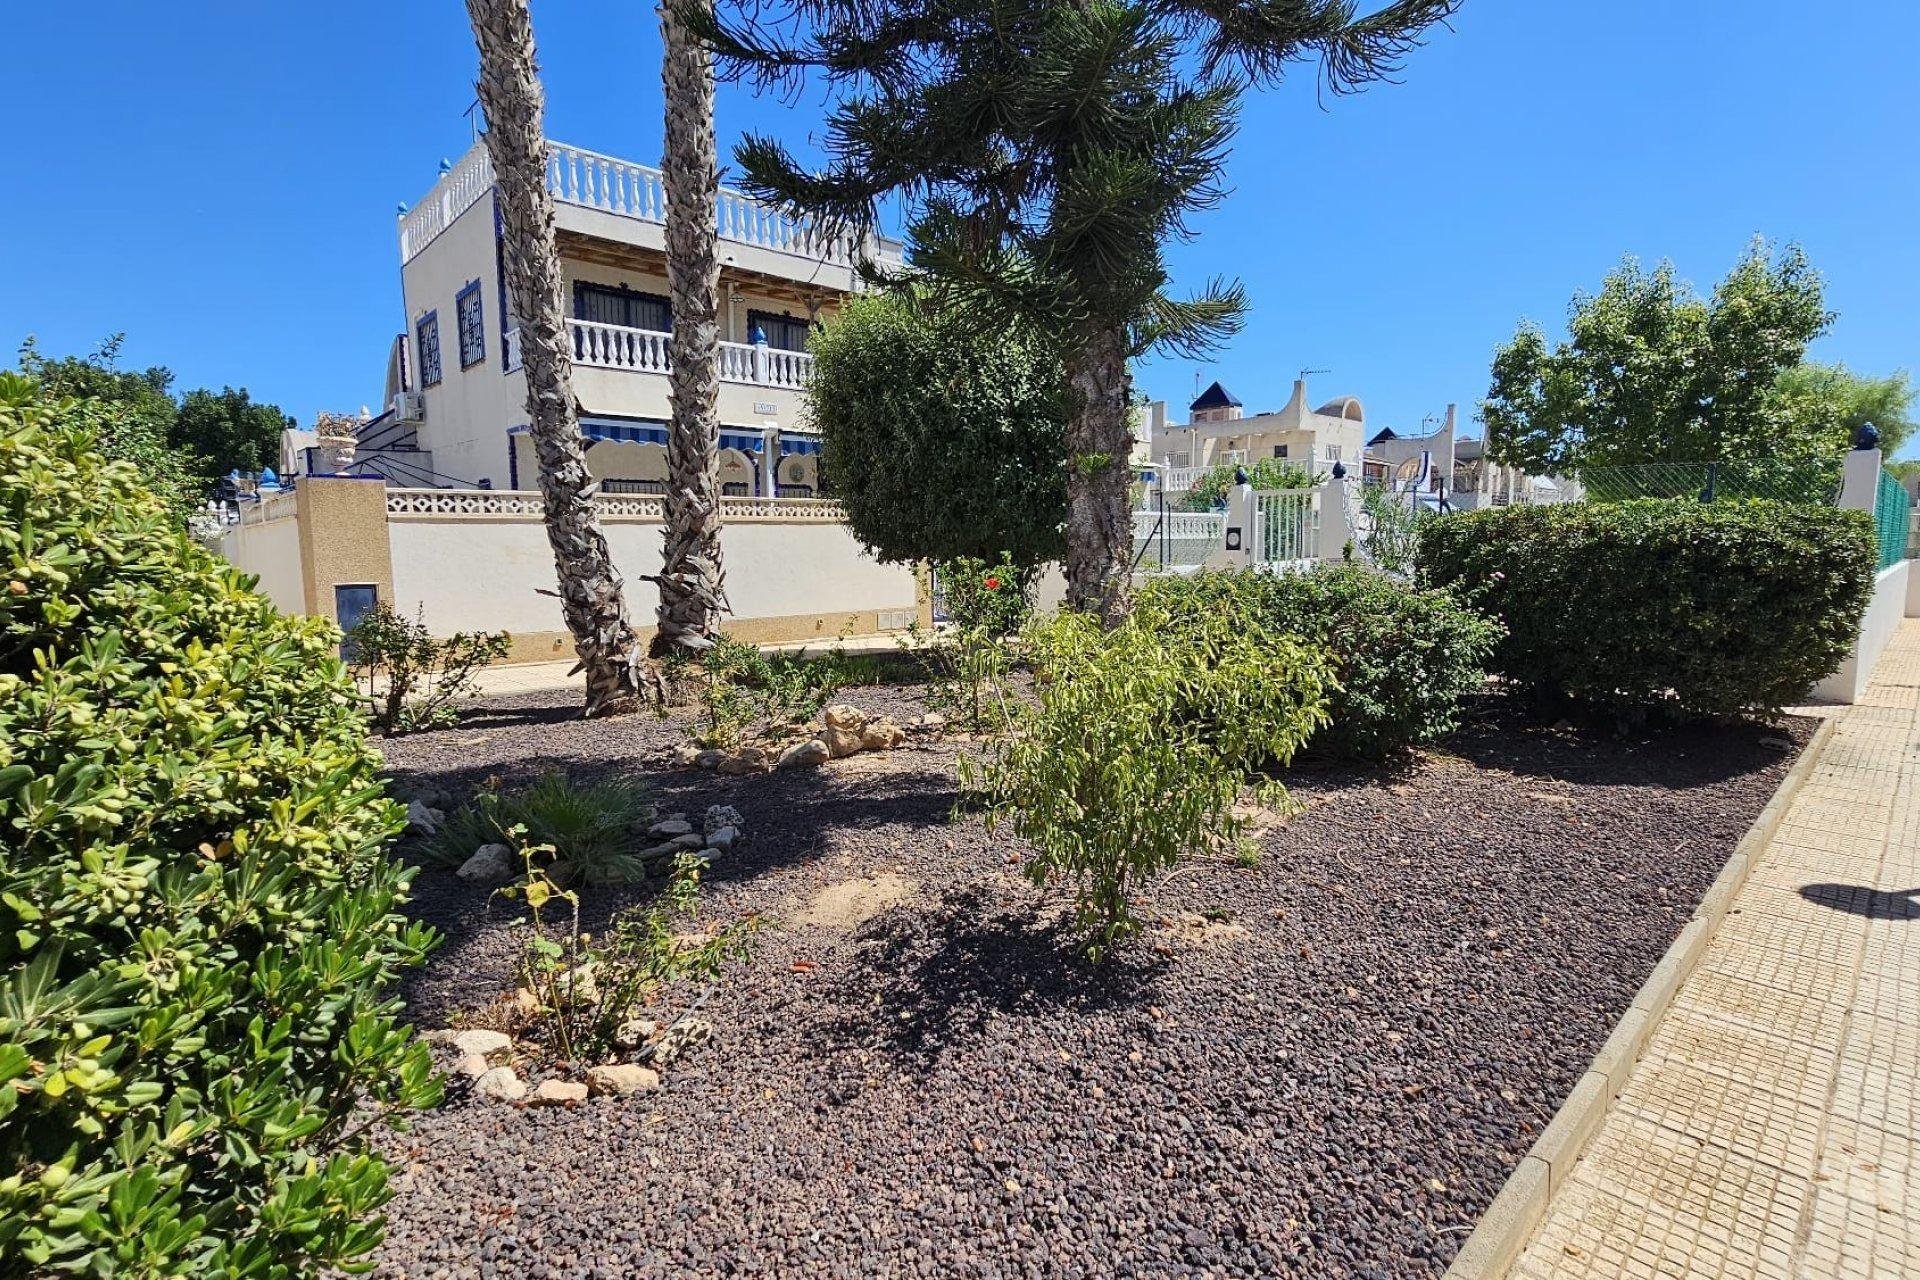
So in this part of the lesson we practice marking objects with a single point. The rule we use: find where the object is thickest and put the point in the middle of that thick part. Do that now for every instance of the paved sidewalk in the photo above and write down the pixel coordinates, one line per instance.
(1772, 1129)
(537, 677)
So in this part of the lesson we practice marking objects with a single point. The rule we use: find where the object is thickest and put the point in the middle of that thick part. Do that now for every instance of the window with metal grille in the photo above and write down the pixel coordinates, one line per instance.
(468, 314)
(427, 331)
(783, 332)
(617, 304)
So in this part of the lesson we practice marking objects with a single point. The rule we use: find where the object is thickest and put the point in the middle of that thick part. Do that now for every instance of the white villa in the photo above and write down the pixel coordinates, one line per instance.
(1218, 430)
(455, 401)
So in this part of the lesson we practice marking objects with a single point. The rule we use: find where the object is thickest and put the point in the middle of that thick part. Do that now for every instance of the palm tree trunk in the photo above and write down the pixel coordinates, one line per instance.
(692, 582)
(591, 598)
(1099, 442)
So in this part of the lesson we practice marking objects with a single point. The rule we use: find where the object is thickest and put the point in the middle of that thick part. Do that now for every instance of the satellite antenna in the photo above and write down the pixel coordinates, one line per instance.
(472, 113)
(1305, 373)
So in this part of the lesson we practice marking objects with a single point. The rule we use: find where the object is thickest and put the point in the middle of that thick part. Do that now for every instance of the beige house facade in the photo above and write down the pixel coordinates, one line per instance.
(1219, 430)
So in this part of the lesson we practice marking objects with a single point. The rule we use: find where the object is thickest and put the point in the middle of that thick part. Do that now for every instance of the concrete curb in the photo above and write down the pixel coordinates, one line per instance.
(1509, 1221)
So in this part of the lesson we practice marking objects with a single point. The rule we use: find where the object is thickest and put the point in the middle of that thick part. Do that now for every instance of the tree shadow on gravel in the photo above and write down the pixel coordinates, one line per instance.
(926, 982)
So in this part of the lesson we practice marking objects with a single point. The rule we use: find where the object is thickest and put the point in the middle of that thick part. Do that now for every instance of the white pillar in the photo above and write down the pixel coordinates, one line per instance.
(1236, 543)
(770, 458)
(1336, 522)
(1860, 480)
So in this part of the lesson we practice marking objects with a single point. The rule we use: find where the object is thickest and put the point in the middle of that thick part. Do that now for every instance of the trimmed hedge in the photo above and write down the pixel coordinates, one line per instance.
(198, 920)
(1701, 608)
(1403, 658)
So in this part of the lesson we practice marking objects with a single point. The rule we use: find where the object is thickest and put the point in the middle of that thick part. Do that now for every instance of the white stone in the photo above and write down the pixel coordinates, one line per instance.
(805, 754)
(721, 815)
(474, 1065)
(618, 1079)
(480, 1042)
(501, 1085)
(669, 827)
(557, 1093)
(635, 1032)
(882, 735)
(490, 864)
(841, 742)
(933, 722)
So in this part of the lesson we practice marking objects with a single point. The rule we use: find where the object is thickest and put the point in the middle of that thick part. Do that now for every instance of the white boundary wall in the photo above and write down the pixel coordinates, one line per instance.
(270, 550)
(1894, 598)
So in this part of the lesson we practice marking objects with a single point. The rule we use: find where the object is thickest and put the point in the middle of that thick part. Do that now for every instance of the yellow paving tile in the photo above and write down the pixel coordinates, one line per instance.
(1772, 1128)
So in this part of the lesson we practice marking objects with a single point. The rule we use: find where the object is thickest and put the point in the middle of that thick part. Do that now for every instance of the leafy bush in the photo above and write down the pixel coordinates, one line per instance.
(988, 595)
(1137, 749)
(740, 688)
(1392, 534)
(410, 680)
(1700, 608)
(586, 988)
(1403, 657)
(199, 925)
(969, 679)
(586, 831)
(1210, 490)
(940, 440)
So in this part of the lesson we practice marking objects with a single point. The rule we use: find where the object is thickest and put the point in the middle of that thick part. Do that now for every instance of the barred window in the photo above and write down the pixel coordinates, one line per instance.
(473, 327)
(427, 329)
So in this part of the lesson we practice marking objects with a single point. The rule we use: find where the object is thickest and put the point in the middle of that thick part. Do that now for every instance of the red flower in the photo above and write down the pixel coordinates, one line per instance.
(991, 583)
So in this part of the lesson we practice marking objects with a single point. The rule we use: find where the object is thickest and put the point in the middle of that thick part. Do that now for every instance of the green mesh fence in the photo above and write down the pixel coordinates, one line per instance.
(1814, 482)
(1890, 518)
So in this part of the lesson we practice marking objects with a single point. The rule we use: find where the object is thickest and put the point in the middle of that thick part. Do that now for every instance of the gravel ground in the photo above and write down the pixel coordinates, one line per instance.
(1322, 1066)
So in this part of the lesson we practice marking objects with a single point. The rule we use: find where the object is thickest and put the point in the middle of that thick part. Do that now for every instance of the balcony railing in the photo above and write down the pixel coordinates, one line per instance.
(590, 180)
(612, 346)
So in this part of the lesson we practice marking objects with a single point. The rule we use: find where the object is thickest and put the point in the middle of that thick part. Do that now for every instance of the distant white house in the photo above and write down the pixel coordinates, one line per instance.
(1218, 430)
(1441, 467)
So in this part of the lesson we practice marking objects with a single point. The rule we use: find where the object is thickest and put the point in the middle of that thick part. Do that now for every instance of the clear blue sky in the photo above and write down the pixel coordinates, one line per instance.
(218, 180)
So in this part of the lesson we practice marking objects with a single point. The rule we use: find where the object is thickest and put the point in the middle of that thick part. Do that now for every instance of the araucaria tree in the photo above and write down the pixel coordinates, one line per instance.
(1046, 153)
(1652, 372)
(692, 583)
(591, 596)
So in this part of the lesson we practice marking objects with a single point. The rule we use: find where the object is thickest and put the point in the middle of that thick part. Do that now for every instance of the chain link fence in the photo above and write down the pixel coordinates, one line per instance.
(1814, 482)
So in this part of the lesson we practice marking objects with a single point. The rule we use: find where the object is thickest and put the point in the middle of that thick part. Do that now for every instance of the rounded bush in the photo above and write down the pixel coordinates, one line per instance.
(1705, 608)
(1403, 658)
(198, 923)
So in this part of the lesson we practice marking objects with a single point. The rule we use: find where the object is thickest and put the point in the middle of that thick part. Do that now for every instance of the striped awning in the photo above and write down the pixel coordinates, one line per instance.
(647, 431)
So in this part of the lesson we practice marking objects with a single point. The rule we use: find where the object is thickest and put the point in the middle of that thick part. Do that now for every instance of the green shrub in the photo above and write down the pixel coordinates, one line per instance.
(739, 688)
(1135, 750)
(199, 925)
(1403, 657)
(408, 679)
(587, 831)
(586, 987)
(1210, 490)
(1701, 608)
(986, 595)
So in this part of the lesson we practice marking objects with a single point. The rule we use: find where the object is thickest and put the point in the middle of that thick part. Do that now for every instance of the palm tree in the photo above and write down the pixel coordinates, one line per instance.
(692, 582)
(591, 598)
(1047, 152)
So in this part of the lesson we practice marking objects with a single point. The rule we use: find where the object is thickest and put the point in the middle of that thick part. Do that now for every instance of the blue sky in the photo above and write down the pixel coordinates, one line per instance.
(219, 180)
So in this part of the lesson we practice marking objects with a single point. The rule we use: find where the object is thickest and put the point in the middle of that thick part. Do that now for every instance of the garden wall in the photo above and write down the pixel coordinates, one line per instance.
(268, 547)
(473, 560)
(1893, 599)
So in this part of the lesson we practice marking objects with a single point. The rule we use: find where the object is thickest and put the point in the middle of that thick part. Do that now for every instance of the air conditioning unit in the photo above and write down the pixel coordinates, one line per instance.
(410, 406)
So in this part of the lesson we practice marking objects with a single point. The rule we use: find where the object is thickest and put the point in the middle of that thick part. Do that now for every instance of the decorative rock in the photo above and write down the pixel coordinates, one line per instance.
(618, 1079)
(501, 1085)
(841, 742)
(580, 981)
(490, 864)
(635, 1032)
(681, 1036)
(669, 827)
(710, 759)
(423, 819)
(706, 855)
(431, 796)
(932, 722)
(557, 1093)
(721, 815)
(751, 758)
(525, 1001)
(474, 1065)
(684, 754)
(882, 735)
(481, 1043)
(843, 716)
(802, 755)
(721, 839)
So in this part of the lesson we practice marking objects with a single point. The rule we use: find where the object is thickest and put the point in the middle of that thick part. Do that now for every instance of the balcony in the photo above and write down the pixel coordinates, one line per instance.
(612, 346)
(602, 186)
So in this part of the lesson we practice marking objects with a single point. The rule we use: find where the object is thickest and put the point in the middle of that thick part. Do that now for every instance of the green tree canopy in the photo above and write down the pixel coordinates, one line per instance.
(1046, 154)
(1830, 402)
(228, 430)
(181, 446)
(1652, 372)
(942, 441)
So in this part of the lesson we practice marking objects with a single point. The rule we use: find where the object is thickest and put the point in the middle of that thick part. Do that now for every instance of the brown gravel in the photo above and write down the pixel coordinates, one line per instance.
(1322, 1066)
